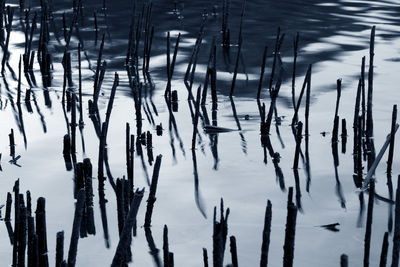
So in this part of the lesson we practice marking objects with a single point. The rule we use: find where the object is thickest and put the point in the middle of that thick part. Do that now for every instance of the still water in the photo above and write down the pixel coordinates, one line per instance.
(334, 36)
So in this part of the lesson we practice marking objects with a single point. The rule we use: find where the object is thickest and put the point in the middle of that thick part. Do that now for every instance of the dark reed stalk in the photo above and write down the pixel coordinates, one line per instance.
(344, 136)
(22, 233)
(171, 259)
(262, 72)
(125, 238)
(369, 128)
(240, 42)
(149, 50)
(290, 231)
(16, 222)
(171, 65)
(344, 260)
(111, 101)
(196, 117)
(208, 73)
(224, 27)
(41, 232)
(19, 82)
(220, 232)
(194, 70)
(8, 21)
(336, 118)
(359, 170)
(295, 51)
(205, 258)
(307, 109)
(8, 207)
(384, 251)
(152, 195)
(298, 143)
(356, 132)
(165, 247)
(234, 251)
(297, 107)
(80, 87)
(195, 50)
(266, 235)
(73, 245)
(12, 143)
(396, 235)
(368, 225)
(87, 170)
(73, 124)
(392, 138)
(32, 247)
(276, 51)
(120, 204)
(96, 76)
(59, 248)
(363, 108)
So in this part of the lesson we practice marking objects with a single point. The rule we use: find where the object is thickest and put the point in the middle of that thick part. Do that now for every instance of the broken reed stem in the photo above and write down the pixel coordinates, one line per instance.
(205, 258)
(290, 231)
(165, 247)
(59, 248)
(266, 235)
(344, 260)
(87, 170)
(396, 235)
(41, 232)
(196, 118)
(153, 190)
(234, 251)
(384, 251)
(73, 245)
(295, 51)
(8, 207)
(368, 225)
(125, 238)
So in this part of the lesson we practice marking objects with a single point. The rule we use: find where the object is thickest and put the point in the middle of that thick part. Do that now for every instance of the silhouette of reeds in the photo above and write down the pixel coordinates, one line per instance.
(125, 238)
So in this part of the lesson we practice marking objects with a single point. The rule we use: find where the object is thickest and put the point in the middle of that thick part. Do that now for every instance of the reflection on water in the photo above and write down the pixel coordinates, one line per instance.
(69, 80)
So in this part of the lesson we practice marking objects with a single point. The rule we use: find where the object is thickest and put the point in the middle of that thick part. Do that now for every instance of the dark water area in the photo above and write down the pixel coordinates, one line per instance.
(231, 159)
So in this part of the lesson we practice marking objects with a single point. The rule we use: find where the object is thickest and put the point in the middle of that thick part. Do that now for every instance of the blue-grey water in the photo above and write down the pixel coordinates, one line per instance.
(334, 36)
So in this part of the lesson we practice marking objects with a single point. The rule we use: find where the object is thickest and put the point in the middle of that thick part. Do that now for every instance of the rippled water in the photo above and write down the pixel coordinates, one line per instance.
(333, 37)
